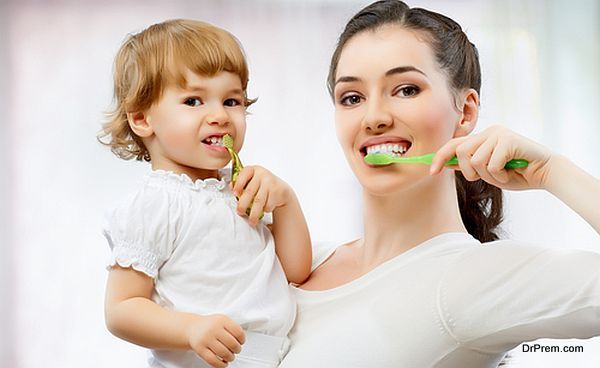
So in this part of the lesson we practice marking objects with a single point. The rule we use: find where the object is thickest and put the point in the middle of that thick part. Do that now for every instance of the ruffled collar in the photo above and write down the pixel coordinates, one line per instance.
(211, 184)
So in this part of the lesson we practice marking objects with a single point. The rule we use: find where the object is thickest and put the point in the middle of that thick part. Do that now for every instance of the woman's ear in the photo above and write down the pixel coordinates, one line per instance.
(469, 115)
(138, 122)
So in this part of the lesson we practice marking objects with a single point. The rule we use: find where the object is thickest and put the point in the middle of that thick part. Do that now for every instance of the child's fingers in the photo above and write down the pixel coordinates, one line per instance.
(221, 351)
(236, 331)
(245, 199)
(230, 342)
(212, 359)
(243, 178)
(258, 204)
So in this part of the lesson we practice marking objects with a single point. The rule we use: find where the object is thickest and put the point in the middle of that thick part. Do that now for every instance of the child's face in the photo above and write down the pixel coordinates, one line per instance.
(188, 124)
(390, 90)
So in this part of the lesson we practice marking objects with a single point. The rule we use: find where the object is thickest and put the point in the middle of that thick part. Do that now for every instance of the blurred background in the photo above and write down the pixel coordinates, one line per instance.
(541, 78)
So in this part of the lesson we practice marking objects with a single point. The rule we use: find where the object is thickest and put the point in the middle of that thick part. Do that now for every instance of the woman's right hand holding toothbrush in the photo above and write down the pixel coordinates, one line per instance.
(215, 338)
(483, 156)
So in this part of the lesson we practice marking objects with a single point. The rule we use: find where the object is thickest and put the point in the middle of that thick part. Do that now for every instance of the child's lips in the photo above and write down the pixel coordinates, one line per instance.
(216, 148)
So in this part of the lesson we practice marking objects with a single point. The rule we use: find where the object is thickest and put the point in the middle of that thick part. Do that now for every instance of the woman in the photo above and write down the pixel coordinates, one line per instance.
(419, 289)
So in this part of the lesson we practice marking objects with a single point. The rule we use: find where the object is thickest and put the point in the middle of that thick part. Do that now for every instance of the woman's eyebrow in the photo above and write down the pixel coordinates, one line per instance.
(346, 80)
(403, 69)
(396, 70)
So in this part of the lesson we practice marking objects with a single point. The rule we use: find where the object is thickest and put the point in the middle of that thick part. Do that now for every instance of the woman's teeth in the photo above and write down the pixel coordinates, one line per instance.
(388, 149)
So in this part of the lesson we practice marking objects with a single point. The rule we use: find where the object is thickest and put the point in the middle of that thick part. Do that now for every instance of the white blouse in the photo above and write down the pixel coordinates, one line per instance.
(449, 302)
(204, 258)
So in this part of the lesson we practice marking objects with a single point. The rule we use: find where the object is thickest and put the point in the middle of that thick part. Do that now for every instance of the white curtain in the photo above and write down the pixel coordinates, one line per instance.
(540, 78)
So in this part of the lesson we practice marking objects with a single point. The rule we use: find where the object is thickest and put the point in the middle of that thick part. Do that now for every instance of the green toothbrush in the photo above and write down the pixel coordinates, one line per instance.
(236, 165)
(384, 159)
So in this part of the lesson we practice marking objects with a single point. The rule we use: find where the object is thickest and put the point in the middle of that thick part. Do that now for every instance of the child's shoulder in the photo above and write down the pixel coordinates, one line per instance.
(149, 191)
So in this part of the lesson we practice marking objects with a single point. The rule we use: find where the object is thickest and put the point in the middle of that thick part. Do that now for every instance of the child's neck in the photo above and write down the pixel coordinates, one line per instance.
(193, 172)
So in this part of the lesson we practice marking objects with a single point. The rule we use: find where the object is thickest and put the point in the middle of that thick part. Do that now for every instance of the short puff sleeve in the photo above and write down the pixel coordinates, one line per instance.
(141, 230)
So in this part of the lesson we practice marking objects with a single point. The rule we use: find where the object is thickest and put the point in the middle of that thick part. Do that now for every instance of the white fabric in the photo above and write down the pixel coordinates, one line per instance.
(449, 302)
(258, 351)
(204, 258)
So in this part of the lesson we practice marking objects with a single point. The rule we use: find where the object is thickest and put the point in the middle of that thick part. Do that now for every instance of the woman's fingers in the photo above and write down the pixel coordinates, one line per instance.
(498, 159)
(464, 152)
(445, 153)
(481, 158)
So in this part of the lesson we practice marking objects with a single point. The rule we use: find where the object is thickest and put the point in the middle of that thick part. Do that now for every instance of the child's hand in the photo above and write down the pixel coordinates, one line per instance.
(259, 188)
(216, 339)
(484, 155)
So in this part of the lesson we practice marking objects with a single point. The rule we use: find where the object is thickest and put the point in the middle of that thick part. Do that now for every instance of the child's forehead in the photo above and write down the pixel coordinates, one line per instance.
(185, 78)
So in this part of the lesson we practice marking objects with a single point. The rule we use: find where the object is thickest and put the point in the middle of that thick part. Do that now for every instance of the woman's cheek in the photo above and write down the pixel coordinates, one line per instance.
(343, 129)
(437, 123)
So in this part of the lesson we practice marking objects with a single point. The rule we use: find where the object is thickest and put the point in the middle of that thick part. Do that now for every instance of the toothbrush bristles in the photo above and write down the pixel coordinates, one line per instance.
(228, 141)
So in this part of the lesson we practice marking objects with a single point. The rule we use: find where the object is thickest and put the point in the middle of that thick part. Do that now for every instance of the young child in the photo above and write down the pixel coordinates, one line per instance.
(190, 276)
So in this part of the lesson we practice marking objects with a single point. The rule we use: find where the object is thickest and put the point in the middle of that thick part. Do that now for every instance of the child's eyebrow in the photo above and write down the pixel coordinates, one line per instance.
(238, 91)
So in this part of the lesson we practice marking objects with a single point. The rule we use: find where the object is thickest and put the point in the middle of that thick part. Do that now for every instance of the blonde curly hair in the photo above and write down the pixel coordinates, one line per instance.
(151, 60)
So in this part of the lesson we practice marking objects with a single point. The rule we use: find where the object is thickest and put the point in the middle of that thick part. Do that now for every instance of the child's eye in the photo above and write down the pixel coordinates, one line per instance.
(193, 101)
(408, 91)
(232, 102)
(350, 100)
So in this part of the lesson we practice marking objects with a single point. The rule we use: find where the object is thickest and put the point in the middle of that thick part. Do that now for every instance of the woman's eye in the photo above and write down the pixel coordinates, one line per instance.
(350, 100)
(232, 102)
(192, 101)
(408, 91)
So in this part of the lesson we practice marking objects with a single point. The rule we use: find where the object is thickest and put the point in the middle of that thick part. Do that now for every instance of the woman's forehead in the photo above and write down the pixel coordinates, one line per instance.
(386, 48)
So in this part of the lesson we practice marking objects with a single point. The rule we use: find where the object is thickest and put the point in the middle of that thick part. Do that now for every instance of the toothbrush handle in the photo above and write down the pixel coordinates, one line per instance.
(516, 163)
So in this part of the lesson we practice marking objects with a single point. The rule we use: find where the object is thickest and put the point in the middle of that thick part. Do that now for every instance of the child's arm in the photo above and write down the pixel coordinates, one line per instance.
(259, 188)
(131, 315)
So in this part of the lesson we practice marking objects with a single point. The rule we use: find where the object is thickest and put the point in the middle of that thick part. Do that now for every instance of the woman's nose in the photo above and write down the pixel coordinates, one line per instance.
(378, 117)
(376, 126)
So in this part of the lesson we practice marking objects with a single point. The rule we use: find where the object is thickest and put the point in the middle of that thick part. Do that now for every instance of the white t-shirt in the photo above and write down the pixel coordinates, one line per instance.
(204, 258)
(449, 302)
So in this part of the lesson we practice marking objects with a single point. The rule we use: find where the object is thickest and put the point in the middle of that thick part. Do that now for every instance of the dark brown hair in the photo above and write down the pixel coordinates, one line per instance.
(480, 203)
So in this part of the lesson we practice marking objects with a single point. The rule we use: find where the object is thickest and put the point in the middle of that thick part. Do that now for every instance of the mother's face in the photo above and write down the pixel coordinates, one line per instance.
(390, 94)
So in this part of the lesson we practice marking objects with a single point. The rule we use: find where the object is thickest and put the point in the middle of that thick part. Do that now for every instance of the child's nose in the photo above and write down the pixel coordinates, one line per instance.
(218, 116)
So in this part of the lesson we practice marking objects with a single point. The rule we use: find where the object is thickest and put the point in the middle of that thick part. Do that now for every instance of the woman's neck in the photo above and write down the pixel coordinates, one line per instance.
(396, 223)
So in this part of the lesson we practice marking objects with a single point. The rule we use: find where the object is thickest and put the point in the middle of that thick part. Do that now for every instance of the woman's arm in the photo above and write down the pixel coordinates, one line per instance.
(576, 188)
(131, 315)
(483, 156)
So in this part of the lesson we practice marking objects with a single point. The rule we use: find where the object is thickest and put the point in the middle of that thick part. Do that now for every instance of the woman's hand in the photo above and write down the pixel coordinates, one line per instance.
(257, 188)
(216, 339)
(483, 156)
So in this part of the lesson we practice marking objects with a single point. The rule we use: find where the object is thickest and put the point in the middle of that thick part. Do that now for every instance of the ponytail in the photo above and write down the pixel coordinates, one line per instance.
(480, 207)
